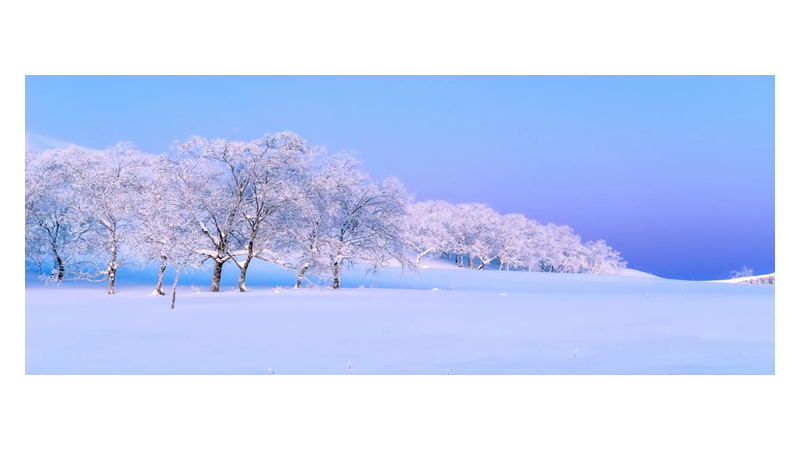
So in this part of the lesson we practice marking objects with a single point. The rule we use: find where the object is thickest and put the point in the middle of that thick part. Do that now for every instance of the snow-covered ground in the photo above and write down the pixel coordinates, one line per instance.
(756, 279)
(431, 322)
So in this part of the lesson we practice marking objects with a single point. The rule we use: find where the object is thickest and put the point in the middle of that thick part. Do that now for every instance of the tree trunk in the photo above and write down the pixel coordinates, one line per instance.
(60, 268)
(460, 260)
(159, 288)
(112, 272)
(243, 273)
(112, 268)
(336, 272)
(300, 277)
(216, 276)
(175, 287)
(246, 263)
(482, 265)
(471, 262)
(112, 279)
(59, 261)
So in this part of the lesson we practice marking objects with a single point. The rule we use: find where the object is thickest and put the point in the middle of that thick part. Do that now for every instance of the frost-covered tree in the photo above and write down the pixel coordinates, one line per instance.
(180, 252)
(56, 233)
(512, 240)
(557, 249)
(35, 190)
(211, 185)
(457, 222)
(151, 240)
(569, 255)
(166, 232)
(235, 190)
(53, 231)
(275, 168)
(300, 229)
(474, 226)
(484, 230)
(35, 179)
(47, 227)
(601, 258)
(101, 187)
(362, 222)
(424, 230)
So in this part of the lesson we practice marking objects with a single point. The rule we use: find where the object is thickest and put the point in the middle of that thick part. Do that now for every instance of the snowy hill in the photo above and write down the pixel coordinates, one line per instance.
(635, 273)
(36, 143)
(758, 279)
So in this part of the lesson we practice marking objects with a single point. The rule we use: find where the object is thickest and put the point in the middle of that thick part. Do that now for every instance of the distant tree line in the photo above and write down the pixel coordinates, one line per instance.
(88, 213)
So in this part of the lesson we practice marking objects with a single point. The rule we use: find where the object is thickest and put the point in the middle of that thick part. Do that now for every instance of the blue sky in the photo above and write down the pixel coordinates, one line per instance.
(678, 173)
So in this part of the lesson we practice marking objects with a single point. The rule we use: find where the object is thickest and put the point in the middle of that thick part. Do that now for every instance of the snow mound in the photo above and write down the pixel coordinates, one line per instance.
(757, 279)
(635, 273)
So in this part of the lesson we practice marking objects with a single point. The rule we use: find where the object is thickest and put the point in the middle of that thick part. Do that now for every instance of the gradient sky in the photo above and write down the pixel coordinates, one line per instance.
(678, 173)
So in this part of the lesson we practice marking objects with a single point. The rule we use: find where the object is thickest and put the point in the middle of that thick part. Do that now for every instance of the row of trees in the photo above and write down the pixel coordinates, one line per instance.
(477, 236)
(88, 213)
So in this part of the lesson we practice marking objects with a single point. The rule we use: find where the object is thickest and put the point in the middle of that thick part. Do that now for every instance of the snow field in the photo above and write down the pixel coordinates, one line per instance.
(467, 322)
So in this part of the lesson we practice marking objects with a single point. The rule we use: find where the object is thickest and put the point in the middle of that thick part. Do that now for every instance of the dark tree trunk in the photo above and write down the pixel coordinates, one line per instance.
(243, 273)
(112, 268)
(112, 271)
(250, 247)
(159, 288)
(54, 247)
(175, 288)
(112, 279)
(60, 263)
(336, 272)
(216, 275)
(300, 277)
